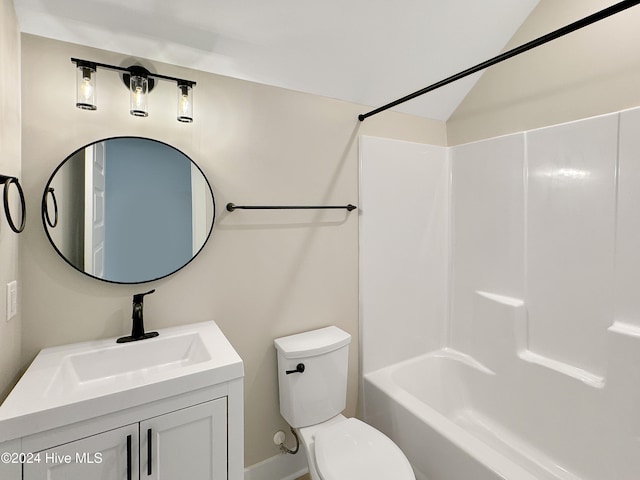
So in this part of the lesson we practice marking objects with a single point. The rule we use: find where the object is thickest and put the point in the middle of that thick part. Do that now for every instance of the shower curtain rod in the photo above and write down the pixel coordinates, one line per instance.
(572, 27)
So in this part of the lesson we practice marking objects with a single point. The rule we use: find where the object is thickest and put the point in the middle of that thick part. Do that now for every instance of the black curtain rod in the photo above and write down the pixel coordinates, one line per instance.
(602, 14)
(231, 207)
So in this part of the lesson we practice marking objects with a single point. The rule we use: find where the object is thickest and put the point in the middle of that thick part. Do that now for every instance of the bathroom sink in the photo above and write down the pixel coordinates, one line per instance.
(145, 357)
(69, 383)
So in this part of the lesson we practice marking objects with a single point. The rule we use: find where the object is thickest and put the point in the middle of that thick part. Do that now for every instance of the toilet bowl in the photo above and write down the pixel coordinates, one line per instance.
(346, 448)
(312, 381)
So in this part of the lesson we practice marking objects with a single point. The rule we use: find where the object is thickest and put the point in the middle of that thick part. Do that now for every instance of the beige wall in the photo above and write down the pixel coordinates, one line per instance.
(263, 274)
(589, 72)
(10, 164)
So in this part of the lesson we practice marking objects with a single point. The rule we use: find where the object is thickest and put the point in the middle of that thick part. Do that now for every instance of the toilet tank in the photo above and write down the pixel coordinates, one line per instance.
(320, 391)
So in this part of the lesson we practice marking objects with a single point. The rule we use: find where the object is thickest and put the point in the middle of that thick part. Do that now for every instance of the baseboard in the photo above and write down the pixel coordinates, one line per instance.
(280, 467)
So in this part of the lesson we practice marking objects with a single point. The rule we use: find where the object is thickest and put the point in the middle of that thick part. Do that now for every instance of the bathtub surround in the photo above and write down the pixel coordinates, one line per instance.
(537, 374)
(10, 164)
(403, 241)
(570, 235)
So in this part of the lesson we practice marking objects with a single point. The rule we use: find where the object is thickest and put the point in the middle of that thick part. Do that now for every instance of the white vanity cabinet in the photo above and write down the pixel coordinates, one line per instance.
(106, 456)
(167, 408)
(8, 468)
(187, 443)
(190, 443)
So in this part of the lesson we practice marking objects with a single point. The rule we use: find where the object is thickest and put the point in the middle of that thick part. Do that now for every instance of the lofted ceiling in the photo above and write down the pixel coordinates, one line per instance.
(363, 51)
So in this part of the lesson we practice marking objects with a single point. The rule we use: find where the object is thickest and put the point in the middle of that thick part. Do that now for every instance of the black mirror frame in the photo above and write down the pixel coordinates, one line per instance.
(45, 214)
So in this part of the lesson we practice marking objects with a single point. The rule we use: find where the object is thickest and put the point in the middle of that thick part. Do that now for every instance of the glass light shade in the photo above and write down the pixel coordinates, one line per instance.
(86, 87)
(139, 87)
(185, 103)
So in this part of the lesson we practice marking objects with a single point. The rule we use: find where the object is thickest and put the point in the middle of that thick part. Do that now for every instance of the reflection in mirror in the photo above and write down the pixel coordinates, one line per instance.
(130, 209)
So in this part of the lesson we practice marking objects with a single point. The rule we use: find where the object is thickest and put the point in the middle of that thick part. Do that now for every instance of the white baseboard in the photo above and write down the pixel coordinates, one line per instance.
(280, 467)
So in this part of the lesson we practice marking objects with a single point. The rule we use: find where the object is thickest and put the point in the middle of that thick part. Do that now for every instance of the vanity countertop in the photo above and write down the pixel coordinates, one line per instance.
(71, 383)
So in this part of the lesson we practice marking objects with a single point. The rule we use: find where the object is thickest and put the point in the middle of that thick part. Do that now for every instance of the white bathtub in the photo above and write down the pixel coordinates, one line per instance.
(431, 407)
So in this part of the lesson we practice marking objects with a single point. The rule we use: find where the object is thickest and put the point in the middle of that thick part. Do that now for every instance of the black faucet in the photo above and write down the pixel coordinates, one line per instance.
(137, 331)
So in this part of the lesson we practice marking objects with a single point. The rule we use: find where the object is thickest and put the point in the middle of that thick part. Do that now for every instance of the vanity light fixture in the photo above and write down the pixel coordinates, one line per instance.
(86, 85)
(138, 80)
(185, 102)
(138, 91)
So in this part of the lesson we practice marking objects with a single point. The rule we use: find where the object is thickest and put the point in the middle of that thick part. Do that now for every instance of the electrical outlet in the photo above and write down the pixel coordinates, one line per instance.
(12, 299)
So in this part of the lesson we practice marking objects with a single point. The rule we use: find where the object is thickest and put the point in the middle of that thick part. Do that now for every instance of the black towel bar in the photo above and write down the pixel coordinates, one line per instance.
(232, 206)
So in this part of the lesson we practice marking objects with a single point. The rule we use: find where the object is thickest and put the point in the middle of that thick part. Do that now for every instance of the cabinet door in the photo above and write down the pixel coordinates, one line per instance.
(186, 444)
(111, 455)
(10, 470)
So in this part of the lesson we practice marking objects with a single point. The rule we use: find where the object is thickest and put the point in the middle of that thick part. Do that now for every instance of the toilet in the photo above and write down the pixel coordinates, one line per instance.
(312, 381)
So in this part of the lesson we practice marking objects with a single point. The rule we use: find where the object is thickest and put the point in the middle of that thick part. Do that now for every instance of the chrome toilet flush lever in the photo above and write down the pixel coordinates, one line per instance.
(299, 369)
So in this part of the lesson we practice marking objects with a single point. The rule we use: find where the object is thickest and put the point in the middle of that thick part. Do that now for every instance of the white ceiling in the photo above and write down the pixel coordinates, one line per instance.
(363, 51)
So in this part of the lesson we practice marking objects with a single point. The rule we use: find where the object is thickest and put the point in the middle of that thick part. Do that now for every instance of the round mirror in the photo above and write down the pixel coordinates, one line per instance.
(128, 209)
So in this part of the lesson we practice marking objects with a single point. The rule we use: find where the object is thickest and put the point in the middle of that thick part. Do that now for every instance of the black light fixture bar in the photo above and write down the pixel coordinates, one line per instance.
(95, 65)
(572, 27)
(138, 80)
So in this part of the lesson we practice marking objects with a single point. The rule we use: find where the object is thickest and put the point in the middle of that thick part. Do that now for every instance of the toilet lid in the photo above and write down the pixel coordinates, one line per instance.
(353, 450)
